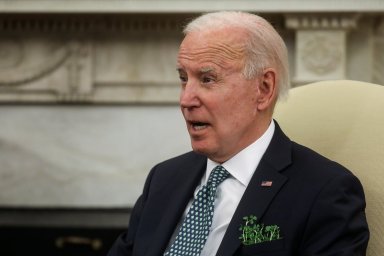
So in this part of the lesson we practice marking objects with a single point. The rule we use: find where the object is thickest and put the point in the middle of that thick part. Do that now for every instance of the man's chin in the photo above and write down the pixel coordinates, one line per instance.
(208, 152)
(201, 150)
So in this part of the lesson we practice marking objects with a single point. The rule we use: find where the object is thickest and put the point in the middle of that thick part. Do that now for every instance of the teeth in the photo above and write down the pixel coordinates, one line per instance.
(199, 126)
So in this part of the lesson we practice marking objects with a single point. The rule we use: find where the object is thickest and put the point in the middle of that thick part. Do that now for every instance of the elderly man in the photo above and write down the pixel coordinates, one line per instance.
(245, 189)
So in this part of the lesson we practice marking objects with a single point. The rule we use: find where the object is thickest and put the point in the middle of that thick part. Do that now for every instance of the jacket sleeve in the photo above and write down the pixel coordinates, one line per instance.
(337, 224)
(124, 244)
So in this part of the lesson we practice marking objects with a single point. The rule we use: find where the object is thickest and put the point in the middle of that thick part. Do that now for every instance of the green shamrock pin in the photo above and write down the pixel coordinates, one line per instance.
(253, 232)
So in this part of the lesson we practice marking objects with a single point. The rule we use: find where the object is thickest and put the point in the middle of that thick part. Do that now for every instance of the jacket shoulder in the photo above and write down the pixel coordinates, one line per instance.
(316, 164)
(186, 159)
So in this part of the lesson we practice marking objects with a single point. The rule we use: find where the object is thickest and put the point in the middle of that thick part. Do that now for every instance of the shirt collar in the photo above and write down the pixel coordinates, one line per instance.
(243, 164)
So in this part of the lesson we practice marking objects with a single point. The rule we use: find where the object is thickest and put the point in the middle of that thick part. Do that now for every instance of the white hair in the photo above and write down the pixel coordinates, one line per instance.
(264, 46)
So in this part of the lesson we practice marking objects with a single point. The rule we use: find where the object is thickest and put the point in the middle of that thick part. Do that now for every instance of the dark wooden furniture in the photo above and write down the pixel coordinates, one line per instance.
(60, 232)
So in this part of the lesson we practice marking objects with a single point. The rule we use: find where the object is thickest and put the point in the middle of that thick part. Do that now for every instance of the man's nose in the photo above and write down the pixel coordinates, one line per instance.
(189, 95)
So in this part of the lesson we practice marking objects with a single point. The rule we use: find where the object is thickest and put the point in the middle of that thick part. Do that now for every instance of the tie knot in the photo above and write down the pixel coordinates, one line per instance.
(218, 175)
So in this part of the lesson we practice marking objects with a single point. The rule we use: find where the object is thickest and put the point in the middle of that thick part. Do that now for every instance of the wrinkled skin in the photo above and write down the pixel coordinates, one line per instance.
(224, 112)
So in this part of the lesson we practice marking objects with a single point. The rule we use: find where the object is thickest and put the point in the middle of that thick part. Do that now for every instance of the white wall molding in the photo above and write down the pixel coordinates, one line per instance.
(321, 45)
(322, 21)
(187, 6)
(89, 59)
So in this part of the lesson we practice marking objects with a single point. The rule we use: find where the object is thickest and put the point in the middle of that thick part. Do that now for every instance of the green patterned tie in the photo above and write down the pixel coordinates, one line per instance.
(195, 229)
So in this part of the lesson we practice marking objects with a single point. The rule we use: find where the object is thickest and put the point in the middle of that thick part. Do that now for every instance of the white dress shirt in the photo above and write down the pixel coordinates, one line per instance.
(241, 167)
(229, 192)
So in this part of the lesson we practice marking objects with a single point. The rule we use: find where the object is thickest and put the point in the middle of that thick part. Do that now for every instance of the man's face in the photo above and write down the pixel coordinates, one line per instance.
(218, 104)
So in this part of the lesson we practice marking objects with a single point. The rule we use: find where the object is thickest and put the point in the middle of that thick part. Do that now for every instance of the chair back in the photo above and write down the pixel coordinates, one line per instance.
(344, 121)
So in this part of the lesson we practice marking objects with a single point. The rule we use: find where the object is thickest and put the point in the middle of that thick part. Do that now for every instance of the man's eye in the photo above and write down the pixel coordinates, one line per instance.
(183, 79)
(207, 80)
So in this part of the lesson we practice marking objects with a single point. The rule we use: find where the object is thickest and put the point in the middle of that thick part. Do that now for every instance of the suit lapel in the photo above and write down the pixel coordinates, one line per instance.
(257, 198)
(192, 173)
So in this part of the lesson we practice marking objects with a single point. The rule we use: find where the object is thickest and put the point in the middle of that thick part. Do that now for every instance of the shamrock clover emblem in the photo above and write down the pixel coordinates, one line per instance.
(253, 232)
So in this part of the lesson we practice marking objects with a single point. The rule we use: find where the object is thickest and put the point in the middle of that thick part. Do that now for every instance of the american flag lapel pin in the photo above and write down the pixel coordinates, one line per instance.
(266, 183)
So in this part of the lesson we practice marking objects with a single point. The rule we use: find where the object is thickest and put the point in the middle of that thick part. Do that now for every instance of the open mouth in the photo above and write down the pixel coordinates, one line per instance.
(198, 125)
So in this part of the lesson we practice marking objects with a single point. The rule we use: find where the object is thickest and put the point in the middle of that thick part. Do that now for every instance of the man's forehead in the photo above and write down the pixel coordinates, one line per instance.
(229, 42)
(207, 56)
(211, 51)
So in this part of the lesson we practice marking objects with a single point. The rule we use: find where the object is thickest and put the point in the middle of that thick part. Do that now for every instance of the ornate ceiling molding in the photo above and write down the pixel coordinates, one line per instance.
(108, 56)
(322, 21)
(90, 23)
(17, 73)
(81, 58)
(320, 54)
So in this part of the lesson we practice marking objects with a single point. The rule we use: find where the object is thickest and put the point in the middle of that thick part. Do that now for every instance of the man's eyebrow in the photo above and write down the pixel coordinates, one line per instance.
(202, 70)
(206, 70)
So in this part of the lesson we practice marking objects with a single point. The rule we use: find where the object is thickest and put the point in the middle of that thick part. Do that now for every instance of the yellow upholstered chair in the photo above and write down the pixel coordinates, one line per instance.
(344, 121)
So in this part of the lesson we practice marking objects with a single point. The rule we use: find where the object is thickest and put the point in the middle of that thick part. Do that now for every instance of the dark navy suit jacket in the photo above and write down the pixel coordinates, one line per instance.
(317, 204)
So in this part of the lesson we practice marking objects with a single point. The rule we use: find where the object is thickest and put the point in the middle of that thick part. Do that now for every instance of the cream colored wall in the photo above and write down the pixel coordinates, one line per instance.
(83, 156)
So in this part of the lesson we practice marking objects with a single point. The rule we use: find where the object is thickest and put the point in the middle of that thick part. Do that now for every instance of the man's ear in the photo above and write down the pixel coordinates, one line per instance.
(267, 90)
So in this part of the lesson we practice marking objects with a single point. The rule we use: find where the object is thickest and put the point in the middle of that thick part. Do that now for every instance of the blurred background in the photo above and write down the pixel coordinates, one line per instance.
(89, 93)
